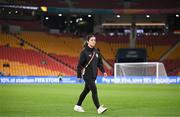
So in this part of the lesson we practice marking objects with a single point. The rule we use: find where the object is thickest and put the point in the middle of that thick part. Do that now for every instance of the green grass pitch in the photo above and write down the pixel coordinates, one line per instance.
(57, 100)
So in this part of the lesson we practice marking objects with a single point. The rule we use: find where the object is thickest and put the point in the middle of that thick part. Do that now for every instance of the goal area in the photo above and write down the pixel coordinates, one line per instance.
(139, 69)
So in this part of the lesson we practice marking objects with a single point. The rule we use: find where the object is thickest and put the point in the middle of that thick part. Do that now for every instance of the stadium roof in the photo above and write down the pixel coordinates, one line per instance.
(100, 4)
(116, 6)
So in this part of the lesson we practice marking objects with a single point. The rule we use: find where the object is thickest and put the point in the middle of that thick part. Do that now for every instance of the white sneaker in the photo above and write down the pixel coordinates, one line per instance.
(78, 108)
(101, 109)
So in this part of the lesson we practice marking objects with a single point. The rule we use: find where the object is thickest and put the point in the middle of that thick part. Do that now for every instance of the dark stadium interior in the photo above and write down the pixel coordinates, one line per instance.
(45, 37)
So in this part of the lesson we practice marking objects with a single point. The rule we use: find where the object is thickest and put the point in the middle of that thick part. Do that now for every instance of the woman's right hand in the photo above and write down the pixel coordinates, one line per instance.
(78, 79)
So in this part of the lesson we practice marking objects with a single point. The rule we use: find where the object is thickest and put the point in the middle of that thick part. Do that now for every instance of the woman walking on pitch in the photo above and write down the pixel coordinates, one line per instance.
(90, 60)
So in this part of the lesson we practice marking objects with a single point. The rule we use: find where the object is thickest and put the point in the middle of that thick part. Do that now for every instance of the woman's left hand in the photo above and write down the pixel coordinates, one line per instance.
(105, 74)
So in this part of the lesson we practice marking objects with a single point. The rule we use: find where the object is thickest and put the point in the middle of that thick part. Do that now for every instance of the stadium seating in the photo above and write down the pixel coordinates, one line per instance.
(25, 25)
(23, 69)
(66, 49)
(34, 58)
(175, 54)
(53, 44)
(8, 40)
(156, 46)
(172, 66)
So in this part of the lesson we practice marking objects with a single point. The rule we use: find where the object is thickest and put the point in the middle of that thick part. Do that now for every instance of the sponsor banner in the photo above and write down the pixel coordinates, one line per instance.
(28, 80)
(100, 80)
(143, 80)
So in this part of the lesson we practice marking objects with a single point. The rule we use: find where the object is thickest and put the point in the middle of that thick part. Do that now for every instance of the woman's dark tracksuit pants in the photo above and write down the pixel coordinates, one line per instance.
(89, 86)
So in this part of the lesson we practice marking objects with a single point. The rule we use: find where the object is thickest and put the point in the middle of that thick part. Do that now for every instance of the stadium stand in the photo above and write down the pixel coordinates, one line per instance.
(156, 46)
(67, 48)
(12, 51)
(33, 58)
(24, 24)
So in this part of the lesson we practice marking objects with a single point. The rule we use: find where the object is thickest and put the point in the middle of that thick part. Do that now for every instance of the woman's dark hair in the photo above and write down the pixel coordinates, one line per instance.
(87, 39)
(85, 44)
(89, 36)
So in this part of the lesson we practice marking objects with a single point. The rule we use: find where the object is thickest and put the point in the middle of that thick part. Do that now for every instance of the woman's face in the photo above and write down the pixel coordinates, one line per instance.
(92, 42)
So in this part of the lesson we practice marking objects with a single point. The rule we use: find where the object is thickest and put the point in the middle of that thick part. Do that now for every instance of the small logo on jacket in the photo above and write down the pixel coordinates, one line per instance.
(97, 55)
